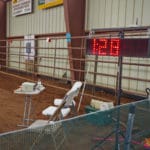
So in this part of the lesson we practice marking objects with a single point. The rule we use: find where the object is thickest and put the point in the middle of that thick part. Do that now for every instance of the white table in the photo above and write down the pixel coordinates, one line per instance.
(28, 103)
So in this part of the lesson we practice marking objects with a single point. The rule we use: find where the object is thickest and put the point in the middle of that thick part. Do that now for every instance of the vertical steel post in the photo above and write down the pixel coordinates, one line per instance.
(119, 91)
(130, 122)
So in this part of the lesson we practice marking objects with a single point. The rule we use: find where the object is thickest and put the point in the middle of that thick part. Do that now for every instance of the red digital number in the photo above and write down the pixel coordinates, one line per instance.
(100, 46)
(94, 47)
(114, 47)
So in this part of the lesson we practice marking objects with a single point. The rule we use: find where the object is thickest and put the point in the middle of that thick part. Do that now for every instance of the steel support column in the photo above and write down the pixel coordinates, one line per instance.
(75, 25)
(2, 32)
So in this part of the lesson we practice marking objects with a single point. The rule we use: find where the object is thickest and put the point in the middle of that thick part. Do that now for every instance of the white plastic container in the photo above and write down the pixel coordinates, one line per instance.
(28, 86)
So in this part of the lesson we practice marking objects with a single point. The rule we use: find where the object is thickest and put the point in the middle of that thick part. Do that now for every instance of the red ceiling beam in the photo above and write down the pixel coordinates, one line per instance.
(75, 25)
(2, 31)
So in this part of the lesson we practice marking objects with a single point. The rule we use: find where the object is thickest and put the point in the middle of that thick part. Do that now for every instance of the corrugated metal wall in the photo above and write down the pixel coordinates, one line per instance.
(119, 13)
(50, 58)
(15, 58)
(39, 22)
(99, 14)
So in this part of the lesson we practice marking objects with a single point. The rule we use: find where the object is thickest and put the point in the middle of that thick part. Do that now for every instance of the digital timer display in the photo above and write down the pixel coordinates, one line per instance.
(118, 47)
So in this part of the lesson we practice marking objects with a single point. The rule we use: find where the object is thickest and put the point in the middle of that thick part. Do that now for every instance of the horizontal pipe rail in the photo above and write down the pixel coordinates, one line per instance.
(44, 58)
(77, 70)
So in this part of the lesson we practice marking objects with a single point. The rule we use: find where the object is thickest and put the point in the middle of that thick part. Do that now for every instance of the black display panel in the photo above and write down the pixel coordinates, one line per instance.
(118, 47)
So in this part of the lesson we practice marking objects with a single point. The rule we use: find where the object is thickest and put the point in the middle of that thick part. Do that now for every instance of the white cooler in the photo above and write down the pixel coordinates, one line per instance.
(28, 86)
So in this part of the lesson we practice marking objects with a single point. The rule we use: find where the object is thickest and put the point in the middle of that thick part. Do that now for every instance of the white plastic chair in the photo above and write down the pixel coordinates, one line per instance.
(76, 86)
(64, 104)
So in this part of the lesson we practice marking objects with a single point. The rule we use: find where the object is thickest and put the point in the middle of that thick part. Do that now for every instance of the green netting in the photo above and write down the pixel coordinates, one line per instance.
(95, 130)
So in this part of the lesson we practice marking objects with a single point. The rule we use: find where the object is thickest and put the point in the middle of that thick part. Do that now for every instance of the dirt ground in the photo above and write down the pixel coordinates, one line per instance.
(12, 105)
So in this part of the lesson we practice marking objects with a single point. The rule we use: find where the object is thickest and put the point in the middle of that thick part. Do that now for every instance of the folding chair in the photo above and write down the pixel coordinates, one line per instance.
(49, 126)
(77, 85)
(63, 109)
(56, 113)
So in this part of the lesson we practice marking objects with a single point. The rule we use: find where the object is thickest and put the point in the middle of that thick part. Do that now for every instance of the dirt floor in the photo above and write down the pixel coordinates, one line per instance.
(12, 105)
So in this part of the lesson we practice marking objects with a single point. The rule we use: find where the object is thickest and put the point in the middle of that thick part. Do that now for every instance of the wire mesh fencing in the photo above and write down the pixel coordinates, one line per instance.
(95, 130)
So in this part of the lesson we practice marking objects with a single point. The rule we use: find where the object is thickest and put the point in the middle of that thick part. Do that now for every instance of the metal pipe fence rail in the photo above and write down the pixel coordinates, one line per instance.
(52, 59)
